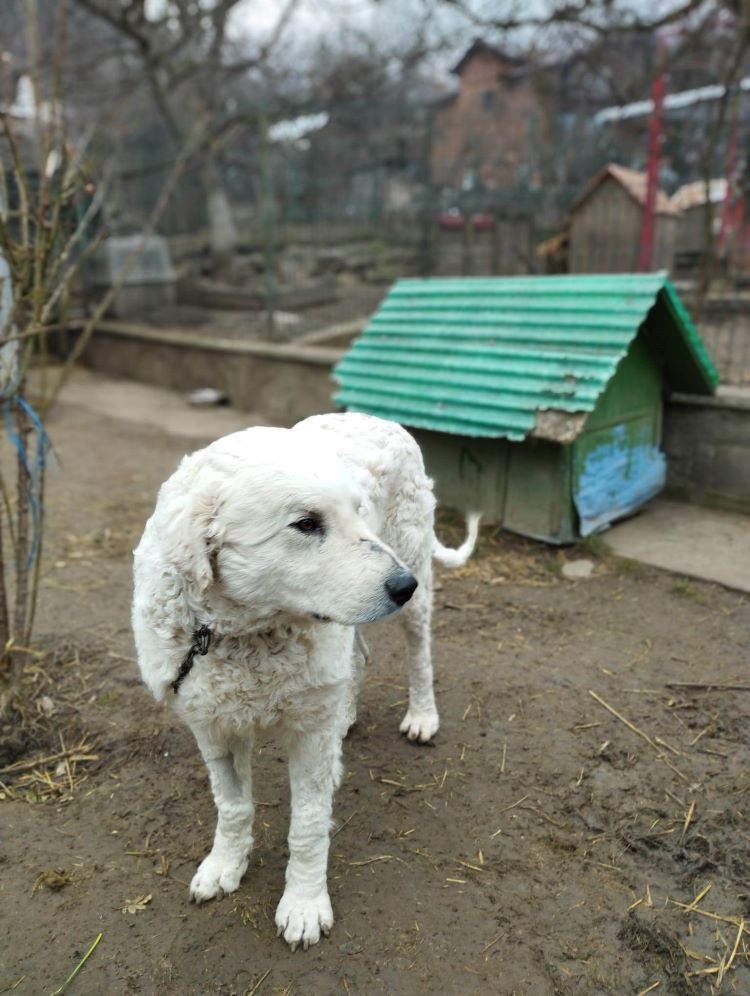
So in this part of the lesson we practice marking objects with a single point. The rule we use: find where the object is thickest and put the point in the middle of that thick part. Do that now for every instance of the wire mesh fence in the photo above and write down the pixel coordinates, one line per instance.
(488, 181)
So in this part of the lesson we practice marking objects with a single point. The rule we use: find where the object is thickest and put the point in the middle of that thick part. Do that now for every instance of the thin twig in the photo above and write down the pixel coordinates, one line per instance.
(346, 821)
(688, 818)
(78, 967)
(650, 989)
(261, 980)
(709, 686)
(639, 732)
(72, 753)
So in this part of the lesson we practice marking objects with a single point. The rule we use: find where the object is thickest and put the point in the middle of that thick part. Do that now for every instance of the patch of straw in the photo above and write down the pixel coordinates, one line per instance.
(36, 781)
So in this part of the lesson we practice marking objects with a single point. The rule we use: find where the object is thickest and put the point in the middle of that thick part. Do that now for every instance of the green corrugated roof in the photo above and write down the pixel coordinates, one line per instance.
(480, 356)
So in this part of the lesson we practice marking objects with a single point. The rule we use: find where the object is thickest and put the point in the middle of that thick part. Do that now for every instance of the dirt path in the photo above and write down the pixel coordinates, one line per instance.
(541, 846)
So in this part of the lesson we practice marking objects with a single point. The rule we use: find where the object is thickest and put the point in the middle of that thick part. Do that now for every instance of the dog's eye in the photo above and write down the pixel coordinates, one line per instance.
(309, 524)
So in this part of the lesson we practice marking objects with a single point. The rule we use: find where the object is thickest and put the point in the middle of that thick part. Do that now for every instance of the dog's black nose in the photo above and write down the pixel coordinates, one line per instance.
(401, 587)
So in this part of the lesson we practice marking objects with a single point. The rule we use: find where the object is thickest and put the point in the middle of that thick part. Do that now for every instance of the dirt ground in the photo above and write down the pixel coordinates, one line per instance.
(578, 797)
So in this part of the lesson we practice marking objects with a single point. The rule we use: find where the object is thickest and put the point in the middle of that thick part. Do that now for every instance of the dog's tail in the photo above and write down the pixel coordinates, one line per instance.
(457, 558)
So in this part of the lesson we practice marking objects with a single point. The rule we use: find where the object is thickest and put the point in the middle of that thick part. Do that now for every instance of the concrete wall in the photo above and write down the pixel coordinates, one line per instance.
(283, 382)
(707, 442)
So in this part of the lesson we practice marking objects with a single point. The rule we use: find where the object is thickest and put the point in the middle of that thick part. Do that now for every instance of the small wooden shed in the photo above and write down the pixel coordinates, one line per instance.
(536, 400)
(690, 203)
(607, 219)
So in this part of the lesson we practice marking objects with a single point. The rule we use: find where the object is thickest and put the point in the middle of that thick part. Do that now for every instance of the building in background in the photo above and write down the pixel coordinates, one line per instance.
(606, 223)
(692, 238)
(482, 133)
(712, 223)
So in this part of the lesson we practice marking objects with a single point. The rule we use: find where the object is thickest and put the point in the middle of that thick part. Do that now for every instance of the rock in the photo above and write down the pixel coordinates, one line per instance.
(578, 570)
(350, 947)
(205, 397)
(46, 705)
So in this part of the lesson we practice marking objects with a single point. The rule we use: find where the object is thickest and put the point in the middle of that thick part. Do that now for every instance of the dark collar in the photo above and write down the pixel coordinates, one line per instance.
(201, 643)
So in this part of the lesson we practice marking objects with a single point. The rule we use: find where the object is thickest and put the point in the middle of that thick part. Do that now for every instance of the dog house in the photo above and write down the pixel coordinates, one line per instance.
(536, 400)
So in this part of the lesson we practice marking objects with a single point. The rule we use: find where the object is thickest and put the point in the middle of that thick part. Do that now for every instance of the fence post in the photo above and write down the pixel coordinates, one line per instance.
(495, 246)
(429, 222)
(267, 224)
(658, 89)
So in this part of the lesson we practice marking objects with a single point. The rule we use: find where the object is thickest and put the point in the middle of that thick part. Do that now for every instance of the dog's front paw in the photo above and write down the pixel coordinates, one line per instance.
(420, 725)
(302, 919)
(215, 877)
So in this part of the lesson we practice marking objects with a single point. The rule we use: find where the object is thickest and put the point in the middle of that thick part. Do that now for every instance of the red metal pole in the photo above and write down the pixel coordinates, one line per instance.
(655, 127)
(728, 215)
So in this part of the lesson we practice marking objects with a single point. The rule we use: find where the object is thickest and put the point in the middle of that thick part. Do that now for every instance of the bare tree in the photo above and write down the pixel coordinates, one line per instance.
(186, 59)
(736, 53)
(51, 194)
(582, 20)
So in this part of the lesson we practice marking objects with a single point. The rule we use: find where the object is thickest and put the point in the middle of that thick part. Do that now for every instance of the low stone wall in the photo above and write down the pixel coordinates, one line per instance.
(283, 382)
(707, 442)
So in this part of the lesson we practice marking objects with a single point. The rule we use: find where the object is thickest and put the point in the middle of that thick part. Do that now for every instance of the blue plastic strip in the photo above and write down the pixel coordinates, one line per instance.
(35, 468)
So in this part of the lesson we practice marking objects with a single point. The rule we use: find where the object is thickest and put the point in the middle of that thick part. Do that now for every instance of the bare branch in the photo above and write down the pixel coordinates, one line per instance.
(597, 16)
(194, 141)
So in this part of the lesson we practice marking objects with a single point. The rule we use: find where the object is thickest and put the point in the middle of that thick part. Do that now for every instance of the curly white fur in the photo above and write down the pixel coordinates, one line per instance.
(281, 542)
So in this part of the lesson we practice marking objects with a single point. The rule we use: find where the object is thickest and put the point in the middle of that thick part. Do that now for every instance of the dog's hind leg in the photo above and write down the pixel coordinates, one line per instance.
(360, 658)
(421, 720)
(231, 782)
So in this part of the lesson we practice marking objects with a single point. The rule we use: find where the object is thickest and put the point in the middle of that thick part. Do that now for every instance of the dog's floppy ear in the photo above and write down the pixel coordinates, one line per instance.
(193, 532)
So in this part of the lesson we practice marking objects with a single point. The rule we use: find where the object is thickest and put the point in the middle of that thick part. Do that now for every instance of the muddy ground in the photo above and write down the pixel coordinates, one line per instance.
(542, 845)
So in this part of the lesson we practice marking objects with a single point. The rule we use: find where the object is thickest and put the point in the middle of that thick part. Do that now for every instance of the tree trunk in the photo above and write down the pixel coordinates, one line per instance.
(221, 226)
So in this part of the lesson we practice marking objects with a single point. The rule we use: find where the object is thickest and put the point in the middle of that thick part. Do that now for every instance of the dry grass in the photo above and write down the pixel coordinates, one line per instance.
(51, 776)
(678, 966)
(44, 754)
(501, 557)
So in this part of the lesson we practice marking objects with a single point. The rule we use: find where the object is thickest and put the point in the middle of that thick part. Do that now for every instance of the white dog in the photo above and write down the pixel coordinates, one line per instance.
(264, 552)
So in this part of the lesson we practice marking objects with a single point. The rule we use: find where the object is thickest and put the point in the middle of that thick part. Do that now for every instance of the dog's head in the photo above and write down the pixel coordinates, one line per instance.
(276, 527)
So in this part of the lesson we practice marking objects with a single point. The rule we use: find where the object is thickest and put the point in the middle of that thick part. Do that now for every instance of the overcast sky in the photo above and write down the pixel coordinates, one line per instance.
(395, 19)
(391, 22)
(392, 26)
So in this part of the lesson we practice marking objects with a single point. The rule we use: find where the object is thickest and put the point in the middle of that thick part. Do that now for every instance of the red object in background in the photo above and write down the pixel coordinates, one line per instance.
(658, 90)
(454, 221)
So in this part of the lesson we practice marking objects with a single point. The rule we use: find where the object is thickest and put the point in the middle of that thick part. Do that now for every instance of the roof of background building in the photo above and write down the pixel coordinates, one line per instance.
(694, 194)
(633, 181)
(486, 356)
(479, 47)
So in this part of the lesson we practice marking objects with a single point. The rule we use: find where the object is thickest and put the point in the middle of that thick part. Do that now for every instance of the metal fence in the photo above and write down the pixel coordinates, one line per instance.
(485, 182)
